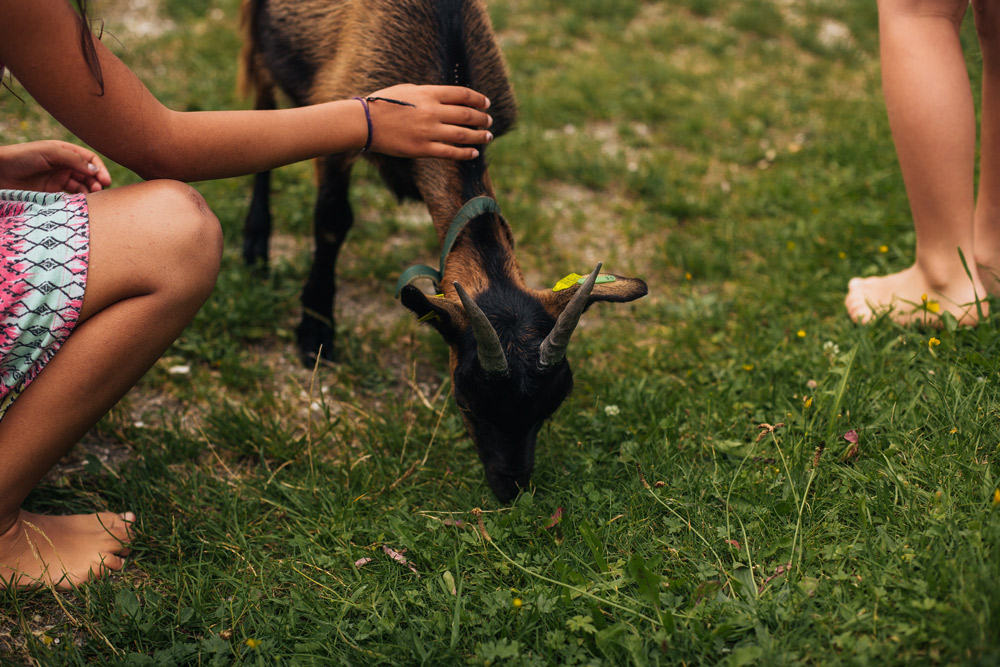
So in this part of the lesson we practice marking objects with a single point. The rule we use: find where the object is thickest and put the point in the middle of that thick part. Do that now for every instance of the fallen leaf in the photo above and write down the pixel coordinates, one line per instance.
(399, 558)
(782, 569)
(449, 582)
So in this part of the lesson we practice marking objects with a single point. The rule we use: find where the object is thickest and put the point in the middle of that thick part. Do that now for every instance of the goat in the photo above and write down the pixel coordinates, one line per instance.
(507, 341)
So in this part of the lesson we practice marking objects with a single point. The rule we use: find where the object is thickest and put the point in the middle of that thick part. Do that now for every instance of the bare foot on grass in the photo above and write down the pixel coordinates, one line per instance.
(991, 279)
(63, 551)
(910, 298)
(989, 272)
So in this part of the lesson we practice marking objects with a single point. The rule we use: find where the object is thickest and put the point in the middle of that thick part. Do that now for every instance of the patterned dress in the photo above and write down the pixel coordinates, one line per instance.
(44, 251)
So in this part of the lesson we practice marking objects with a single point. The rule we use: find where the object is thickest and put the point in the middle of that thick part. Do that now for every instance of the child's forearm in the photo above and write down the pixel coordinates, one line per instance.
(218, 144)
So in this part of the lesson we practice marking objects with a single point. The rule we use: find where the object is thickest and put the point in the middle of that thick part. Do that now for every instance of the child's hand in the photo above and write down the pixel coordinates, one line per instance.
(440, 117)
(52, 166)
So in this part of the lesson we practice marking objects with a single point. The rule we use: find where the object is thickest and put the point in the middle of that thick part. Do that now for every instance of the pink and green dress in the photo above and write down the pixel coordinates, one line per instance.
(44, 251)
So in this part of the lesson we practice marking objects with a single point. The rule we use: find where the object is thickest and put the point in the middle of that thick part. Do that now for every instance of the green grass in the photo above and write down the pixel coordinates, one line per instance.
(741, 163)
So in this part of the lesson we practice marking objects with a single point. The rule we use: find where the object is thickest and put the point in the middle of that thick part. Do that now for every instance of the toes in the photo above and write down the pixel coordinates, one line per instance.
(862, 316)
(857, 305)
(118, 527)
(110, 563)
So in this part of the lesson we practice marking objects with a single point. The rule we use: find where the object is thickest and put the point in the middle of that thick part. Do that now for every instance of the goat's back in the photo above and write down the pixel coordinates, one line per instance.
(320, 50)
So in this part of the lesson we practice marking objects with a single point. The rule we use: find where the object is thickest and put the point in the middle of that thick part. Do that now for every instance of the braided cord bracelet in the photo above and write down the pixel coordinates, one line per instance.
(368, 115)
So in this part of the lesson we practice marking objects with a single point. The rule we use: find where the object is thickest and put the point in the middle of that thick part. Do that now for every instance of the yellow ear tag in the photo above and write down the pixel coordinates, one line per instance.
(567, 282)
(577, 279)
(427, 317)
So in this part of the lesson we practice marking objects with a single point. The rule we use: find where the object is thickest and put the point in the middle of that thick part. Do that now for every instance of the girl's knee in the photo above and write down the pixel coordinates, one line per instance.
(192, 232)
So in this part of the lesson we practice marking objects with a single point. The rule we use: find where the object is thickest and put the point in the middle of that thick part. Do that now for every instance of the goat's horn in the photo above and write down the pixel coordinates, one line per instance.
(553, 348)
(491, 355)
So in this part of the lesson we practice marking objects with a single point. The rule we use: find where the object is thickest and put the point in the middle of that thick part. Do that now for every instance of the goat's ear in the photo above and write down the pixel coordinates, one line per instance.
(620, 290)
(444, 315)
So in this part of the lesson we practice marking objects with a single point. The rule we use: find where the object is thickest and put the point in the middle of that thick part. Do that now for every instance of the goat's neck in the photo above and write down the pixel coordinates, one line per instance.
(482, 255)
(484, 251)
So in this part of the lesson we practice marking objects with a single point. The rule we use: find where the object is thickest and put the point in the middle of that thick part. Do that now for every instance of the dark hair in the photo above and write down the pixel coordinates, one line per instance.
(87, 44)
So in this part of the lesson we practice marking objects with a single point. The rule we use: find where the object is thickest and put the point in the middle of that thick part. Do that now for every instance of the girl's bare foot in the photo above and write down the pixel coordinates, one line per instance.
(911, 298)
(63, 551)
(989, 272)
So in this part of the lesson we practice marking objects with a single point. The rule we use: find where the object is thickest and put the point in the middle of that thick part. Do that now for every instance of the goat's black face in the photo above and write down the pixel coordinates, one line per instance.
(505, 414)
(508, 363)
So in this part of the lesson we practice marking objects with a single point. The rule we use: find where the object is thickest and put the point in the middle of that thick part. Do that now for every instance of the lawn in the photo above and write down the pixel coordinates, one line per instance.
(741, 475)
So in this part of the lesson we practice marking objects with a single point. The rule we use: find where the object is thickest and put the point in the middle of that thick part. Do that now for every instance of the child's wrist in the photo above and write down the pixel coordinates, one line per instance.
(368, 124)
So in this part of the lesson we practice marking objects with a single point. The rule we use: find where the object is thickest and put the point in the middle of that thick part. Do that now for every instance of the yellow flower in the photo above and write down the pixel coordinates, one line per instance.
(253, 643)
(842, 255)
(933, 342)
(933, 306)
(883, 249)
(748, 367)
(801, 333)
(687, 275)
(518, 603)
(996, 498)
(808, 400)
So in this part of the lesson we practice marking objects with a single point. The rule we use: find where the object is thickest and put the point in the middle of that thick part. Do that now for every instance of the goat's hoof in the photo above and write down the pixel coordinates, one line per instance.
(315, 339)
(309, 358)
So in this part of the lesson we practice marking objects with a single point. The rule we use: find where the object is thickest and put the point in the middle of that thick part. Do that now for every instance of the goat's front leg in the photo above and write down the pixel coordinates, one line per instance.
(333, 219)
(257, 228)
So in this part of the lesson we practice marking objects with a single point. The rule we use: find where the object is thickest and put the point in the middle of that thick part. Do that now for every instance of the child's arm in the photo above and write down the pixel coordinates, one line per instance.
(40, 44)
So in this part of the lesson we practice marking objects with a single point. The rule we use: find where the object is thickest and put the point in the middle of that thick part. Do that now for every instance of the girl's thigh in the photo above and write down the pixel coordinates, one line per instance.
(148, 238)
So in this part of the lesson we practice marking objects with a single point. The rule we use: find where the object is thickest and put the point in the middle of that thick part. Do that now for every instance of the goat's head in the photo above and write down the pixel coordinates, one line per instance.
(508, 361)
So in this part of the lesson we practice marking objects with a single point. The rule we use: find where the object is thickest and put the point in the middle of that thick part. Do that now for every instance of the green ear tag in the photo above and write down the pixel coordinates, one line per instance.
(600, 279)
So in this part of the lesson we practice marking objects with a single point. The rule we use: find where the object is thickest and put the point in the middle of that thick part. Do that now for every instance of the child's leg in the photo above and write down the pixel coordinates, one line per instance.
(154, 257)
(929, 102)
(988, 203)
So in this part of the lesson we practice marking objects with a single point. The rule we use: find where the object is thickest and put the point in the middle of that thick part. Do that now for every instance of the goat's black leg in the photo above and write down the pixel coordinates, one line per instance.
(257, 228)
(332, 221)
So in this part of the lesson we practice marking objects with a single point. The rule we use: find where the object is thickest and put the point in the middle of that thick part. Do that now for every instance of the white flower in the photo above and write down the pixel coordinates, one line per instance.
(611, 410)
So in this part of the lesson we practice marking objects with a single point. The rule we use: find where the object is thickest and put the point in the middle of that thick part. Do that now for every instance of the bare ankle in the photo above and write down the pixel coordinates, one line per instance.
(945, 276)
